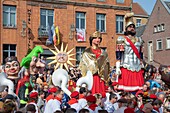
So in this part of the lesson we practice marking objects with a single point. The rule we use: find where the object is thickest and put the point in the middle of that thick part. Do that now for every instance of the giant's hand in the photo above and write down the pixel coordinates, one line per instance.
(118, 71)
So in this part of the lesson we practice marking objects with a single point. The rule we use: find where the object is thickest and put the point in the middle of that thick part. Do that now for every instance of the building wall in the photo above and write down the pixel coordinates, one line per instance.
(64, 16)
(158, 16)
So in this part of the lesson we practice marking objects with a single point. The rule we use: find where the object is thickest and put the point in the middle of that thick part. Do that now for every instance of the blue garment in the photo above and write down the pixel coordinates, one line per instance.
(154, 84)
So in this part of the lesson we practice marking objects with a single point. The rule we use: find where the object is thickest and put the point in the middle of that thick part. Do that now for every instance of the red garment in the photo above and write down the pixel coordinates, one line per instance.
(97, 52)
(49, 97)
(156, 108)
(98, 85)
(72, 101)
(81, 96)
(130, 81)
(59, 99)
(93, 106)
(21, 82)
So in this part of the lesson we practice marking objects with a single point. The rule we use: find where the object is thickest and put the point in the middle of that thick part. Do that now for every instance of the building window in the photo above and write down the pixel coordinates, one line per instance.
(159, 44)
(79, 51)
(138, 22)
(168, 43)
(159, 28)
(9, 16)
(46, 18)
(155, 29)
(101, 22)
(119, 24)
(163, 27)
(119, 1)
(8, 50)
(80, 20)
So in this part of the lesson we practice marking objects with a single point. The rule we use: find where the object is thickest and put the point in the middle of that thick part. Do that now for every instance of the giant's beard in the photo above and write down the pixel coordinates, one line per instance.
(132, 33)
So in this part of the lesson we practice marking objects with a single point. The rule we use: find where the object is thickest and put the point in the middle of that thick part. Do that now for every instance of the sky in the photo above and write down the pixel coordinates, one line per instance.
(147, 5)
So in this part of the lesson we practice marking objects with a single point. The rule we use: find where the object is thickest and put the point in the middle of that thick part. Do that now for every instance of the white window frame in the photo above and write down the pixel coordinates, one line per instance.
(150, 51)
(162, 27)
(80, 16)
(155, 29)
(158, 41)
(119, 24)
(138, 23)
(159, 28)
(101, 18)
(9, 50)
(168, 43)
(79, 51)
(46, 14)
(9, 17)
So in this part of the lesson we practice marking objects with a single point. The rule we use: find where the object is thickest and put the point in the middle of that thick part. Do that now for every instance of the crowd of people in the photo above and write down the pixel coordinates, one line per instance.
(154, 97)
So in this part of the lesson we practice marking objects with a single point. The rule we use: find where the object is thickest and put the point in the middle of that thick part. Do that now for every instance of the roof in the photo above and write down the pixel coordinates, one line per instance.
(140, 30)
(138, 10)
(166, 4)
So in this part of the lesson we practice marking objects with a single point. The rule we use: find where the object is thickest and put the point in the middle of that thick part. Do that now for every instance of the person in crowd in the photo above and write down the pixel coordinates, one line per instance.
(96, 60)
(51, 95)
(122, 105)
(84, 111)
(109, 106)
(82, 97)
(71, 110)
(41, 101)
(91, 104)
(54, 104)
(33, 98)
(129, 61)
(148, 108)
(73, 102)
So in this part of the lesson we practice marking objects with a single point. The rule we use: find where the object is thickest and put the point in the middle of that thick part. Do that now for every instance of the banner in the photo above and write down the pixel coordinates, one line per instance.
(56, 36)
(81, 35)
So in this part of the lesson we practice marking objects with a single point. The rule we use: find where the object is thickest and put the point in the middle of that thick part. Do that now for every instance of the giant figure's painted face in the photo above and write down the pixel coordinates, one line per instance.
(12, 67)
(36, 65)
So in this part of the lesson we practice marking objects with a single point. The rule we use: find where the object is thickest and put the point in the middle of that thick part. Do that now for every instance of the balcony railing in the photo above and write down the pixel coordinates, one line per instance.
(43, 31)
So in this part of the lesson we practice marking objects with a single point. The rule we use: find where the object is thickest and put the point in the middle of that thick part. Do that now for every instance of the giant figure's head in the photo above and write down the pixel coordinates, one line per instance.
(32, 61)
(12, 67)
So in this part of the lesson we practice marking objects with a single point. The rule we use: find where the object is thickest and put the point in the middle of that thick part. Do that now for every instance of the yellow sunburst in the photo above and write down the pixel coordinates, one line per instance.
(62, 57)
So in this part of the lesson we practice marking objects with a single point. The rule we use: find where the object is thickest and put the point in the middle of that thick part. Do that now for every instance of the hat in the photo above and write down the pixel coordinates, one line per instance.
(74, 94)
(114, 83)
(91, 98)
(129, 19)
(33, 95)
(96, 34)
(147, 106)
(153, 96)
(53, 90)
(122, 100)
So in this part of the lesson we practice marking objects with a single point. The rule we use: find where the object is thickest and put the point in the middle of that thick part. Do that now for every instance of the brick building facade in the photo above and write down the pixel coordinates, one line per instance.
(23, 24)
(157, 35)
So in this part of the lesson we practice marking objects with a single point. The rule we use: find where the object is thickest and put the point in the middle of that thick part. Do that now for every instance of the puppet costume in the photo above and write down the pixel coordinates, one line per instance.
(98, 63)
(131, 77)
